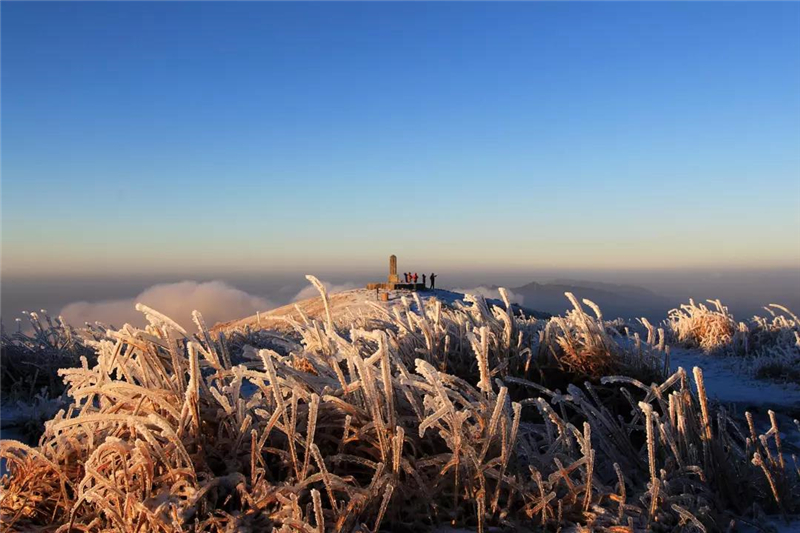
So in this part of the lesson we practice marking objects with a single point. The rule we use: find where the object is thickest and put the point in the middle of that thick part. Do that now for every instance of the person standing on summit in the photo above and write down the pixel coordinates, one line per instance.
(405, 275)
(416, 277)
(433, 280)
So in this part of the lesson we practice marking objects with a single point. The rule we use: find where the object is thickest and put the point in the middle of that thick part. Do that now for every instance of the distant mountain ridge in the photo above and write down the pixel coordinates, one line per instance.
(611, 287)
(615, 300)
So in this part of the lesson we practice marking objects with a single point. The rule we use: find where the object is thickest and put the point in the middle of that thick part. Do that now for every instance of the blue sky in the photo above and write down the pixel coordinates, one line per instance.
(195, 137)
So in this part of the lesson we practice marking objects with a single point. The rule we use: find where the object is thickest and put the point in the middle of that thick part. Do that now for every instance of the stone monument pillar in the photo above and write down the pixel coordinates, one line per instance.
(393, 277)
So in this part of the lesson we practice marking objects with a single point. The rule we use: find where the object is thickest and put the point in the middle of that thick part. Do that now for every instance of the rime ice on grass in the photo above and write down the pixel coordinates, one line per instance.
(468, 415)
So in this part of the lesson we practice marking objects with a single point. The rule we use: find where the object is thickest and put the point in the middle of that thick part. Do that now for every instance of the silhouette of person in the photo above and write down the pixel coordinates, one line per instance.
(424, 286)
(415, 278)
(433, 280)
(405, 274)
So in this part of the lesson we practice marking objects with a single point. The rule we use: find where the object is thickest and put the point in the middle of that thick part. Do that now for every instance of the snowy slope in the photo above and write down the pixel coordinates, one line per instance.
(726, 381)
(352, 302)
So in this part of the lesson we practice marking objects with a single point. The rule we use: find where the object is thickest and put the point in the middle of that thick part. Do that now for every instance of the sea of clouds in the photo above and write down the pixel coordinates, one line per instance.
(217, 301)
(488, 292)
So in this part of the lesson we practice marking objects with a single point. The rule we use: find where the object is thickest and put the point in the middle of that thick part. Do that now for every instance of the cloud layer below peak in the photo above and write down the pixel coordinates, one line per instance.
(217, 301)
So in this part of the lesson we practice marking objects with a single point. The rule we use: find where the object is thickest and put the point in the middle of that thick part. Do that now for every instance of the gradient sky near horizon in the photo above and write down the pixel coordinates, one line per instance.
(194, 137)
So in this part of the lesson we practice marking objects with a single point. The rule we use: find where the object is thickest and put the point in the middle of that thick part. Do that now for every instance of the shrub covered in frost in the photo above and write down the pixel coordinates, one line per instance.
(29, 360)
(698, 326)
(770, 345)
(428, 416)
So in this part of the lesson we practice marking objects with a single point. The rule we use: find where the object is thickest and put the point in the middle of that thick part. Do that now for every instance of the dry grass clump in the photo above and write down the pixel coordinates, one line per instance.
(405, 424)
(697, 326)
(589, 346)
(770, 345)
(775, 344)
(29, 362)
(781, 329)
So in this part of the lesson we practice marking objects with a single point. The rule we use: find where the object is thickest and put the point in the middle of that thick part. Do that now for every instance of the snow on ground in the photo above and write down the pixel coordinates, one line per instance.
(776, 526)
(11, 416)
(10, 419)
(726, 381)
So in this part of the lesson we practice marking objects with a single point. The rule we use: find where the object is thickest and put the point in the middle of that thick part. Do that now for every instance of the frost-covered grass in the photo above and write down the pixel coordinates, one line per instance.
(769, 345)
(31, 390)
(698, 326)
(31, 359)
(420, 416)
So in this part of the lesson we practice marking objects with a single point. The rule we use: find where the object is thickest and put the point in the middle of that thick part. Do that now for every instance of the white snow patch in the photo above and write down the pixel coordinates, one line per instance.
(726, 382)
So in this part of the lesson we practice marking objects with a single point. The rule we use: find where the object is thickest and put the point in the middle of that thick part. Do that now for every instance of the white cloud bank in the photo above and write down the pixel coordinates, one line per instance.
(487, 292)
(311, 292)
(216, 300)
